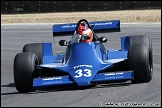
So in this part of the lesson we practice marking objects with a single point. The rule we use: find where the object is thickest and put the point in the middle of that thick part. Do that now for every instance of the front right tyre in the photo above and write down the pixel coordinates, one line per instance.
(24, 66)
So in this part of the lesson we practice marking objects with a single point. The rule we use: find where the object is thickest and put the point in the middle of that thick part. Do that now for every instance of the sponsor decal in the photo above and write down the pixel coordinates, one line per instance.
(90, 66)
(119, 73)
(112, 75)
(105, 23)
(98, 24)
(54, 78)
(68, 26)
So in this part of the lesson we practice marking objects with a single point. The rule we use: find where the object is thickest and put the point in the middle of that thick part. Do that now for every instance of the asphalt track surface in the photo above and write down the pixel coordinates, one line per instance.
(13, 37)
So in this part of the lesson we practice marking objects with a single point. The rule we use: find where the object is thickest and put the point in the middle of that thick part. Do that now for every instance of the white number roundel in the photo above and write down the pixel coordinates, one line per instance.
(79, 73)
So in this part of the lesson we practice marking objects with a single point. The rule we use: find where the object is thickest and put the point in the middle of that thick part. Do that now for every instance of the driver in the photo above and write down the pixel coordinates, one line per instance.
(81, 33)
(79, 36)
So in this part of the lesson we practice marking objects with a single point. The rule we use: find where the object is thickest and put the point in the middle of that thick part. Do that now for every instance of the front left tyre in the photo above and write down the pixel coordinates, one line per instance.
(141, 62)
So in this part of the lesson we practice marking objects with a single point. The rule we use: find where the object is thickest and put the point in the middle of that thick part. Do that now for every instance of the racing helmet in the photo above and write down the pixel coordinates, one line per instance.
(85, 33)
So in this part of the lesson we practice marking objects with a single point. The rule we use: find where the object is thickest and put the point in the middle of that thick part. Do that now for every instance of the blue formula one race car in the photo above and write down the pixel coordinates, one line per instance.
(37, 66)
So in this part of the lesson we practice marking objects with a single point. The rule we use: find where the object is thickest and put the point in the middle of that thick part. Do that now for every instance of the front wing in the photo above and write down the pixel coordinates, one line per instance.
(100, 77)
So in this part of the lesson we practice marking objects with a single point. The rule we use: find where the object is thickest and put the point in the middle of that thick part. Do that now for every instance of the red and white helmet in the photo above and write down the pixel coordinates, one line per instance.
(84, 31)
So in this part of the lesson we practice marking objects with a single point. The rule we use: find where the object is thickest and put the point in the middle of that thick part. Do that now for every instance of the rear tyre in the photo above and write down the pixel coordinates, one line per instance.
(35, 48)
(140, 61)
(24, 66)
(140, 39)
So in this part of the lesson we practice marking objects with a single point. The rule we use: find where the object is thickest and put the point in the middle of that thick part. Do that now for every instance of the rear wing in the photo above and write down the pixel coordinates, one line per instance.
(97, 26)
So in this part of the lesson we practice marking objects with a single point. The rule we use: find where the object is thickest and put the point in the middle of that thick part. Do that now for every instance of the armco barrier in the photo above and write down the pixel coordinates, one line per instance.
(8, 7)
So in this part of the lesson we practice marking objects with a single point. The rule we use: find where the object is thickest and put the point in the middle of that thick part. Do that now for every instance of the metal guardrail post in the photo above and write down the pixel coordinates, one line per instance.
(6, 9)
(39, 4)
(54, 6)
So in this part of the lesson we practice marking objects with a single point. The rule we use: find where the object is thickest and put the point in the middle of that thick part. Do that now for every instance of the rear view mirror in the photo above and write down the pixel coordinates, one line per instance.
(102, 39)
(63, 43)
